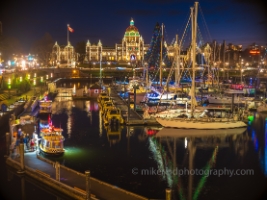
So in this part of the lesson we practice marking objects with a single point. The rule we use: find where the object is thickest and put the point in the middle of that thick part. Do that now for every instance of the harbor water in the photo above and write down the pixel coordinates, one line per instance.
(213, 166)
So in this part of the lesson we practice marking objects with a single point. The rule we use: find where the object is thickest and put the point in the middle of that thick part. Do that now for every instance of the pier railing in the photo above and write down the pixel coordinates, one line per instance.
(68, 181)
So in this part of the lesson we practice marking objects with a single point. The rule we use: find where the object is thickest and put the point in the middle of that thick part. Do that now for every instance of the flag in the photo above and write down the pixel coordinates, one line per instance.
(70, 29)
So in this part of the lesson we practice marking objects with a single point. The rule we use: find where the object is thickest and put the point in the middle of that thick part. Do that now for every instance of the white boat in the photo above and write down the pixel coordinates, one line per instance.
(153, 96)
(201, 123)
(226, 98)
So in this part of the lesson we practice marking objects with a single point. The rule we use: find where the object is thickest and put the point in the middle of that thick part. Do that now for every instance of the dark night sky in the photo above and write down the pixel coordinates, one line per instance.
(236, 21)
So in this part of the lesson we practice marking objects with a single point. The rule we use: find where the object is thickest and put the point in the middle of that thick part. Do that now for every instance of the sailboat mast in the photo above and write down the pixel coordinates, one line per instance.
(177, 73)
(160, 62)
(194, 28)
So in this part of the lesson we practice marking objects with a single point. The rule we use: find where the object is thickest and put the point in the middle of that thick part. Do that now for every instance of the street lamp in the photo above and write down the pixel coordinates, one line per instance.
(34, 84)
(227, 74)
(241, 73)
(9, 87)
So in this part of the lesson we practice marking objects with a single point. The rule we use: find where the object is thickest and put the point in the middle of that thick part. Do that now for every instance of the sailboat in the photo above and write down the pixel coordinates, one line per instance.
(200, 123)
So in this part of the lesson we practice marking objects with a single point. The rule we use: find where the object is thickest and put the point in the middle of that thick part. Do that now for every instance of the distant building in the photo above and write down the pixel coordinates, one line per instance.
(63, 55)
(255, 55)
(132, 49)
(233, 54)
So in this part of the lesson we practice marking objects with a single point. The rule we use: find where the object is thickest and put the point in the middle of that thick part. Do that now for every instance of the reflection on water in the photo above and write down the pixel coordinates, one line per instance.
(113, 133)
(111, 152)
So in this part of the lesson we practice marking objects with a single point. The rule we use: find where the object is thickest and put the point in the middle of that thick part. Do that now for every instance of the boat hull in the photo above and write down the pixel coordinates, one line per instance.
(197, 124)
(174, 132)
(50, 153)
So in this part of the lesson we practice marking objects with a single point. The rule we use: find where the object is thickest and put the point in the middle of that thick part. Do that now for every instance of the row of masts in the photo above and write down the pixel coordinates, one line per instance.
(177, 46)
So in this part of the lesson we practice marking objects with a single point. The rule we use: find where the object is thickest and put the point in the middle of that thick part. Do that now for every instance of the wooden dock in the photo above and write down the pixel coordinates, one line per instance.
(69, 182)
(132, 118)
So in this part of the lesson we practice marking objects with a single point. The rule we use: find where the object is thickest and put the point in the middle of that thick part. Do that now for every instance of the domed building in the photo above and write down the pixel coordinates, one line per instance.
(131, 50)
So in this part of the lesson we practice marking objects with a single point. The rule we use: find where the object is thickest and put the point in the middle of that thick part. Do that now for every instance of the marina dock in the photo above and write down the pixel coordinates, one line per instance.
(74, 184)
(132, 118)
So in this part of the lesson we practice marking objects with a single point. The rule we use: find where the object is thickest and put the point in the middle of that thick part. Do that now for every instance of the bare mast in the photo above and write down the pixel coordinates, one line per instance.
(194, 28)
(160, 62)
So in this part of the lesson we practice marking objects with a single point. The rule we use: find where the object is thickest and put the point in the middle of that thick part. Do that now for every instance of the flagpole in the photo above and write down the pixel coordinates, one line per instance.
(67, 34)
(68, 43)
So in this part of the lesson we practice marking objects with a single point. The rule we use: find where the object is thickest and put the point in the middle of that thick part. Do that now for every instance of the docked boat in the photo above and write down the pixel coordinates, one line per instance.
(205, 122)
(101, 96)
(52, 141)
(113, 116)
(157, 95)
(107, 105)
(227, 97)
(45, 107)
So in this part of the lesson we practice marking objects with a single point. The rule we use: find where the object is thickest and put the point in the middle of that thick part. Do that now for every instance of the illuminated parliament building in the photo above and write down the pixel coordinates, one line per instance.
(131, 50)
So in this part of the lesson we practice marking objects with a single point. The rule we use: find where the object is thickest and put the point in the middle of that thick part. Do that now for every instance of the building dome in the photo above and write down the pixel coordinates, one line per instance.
(131, 30)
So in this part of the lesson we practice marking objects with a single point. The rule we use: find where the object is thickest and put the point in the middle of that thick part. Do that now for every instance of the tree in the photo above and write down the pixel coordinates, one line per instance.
(9, 46)
(43, 48)
(152, 56)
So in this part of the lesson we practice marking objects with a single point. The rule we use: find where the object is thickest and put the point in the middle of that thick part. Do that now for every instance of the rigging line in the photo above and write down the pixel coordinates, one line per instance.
(185, 24)
(202, 14)
(165, 34)
(200, 36)
(182, 39)
(166, 85)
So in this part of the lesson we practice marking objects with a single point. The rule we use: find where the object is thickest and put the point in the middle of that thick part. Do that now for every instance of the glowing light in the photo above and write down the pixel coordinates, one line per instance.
(185, 142)
(251, 118)
(20, 79)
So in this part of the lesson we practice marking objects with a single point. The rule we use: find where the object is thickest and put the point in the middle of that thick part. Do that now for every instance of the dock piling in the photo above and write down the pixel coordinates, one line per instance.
(7, 144)
(168, 194)
(88, 184)
(22, 164)
(57, 166)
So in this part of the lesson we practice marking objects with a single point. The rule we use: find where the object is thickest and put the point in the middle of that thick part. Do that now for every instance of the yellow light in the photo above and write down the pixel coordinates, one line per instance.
(34, 81)
(46, 76)
(42, 79)
(20, 79)
(9, 81)
(34, 74)
(29, 76)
